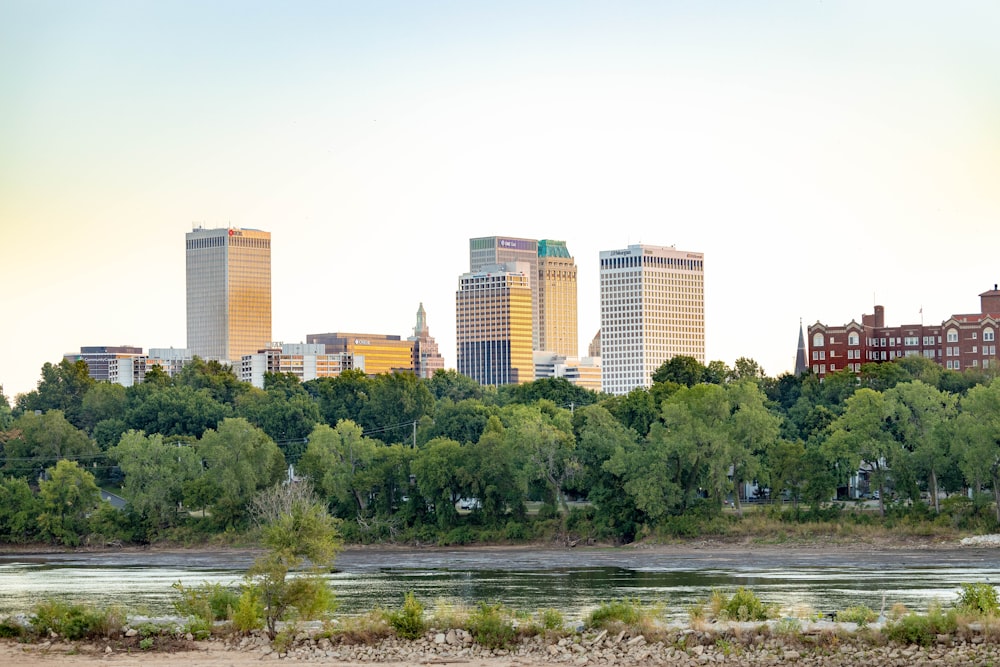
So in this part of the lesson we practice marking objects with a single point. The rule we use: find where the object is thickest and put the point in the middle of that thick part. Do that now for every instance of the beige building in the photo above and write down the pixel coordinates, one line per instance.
(374, 354)
(556, 324)
(228, 292)
(583, 372)
(426, 357)
(304, 361)
(498, 250)
(493, 324)
(652, 309)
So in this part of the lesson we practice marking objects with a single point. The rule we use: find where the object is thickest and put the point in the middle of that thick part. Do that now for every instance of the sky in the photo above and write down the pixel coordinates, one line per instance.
(824, 156)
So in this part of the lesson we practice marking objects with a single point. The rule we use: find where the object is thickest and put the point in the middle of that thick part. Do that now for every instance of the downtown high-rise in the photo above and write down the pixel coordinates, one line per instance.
(652, 309)
(228, 292)
(494, 324)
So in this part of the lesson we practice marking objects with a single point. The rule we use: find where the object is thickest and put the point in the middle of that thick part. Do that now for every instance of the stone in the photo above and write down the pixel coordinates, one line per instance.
(108, 650)
(451, 638)
(698, 649)
(131, 632)
(439, 638)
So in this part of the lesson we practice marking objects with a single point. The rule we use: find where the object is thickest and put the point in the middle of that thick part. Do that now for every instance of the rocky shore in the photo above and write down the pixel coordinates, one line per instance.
(686, 648)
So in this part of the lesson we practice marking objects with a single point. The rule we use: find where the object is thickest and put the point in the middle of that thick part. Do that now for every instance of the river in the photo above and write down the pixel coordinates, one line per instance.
(570, 580)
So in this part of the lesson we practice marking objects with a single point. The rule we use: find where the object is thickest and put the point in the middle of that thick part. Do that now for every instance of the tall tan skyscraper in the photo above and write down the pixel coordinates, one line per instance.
(228, 292)
(495, 250)
(652, 309)
(493, 324)
(556, 299)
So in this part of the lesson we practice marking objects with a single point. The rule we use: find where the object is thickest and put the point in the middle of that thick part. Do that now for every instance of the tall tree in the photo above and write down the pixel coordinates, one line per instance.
(752, 428)
(920, 414)
(440, 471)
(341, 397)
(978, 434)
(396, 401)
(239, 460)
(682, 369)
(335, 459)
(155, 473)
(861, 435)
(62, 387)
(36, 442)
(68, 496)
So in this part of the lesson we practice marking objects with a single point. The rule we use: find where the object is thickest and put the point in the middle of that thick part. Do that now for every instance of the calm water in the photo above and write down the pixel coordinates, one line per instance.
(572, 581)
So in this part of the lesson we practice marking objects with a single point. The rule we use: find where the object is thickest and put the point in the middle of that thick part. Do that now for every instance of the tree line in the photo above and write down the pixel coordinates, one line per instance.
(394, 455)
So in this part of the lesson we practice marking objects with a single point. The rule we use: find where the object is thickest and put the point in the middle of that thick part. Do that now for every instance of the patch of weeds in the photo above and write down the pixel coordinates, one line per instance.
(11, 629)
(552, 619)
(146, 643)
(198, 627)
(978, 599)
(862, 615)
(788, 627)
(365, 629)
(408, 621)
(724, 646)
(491, 627)
(447, 616)
(624, 612)
(213, 602)
(922, 629)
(76, 621)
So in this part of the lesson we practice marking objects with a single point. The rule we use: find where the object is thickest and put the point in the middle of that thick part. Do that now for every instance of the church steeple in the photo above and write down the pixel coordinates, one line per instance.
(802, 355)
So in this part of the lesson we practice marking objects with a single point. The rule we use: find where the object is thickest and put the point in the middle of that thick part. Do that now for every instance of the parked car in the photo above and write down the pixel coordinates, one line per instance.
(469, 504)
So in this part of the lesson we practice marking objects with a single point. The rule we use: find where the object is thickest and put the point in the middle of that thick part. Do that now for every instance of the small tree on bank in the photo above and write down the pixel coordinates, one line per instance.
(299, 534)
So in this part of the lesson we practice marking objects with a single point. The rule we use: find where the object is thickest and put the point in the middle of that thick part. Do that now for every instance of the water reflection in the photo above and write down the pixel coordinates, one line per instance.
(570, 581)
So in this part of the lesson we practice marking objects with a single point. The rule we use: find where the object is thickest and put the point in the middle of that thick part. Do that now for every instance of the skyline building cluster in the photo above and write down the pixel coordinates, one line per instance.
(516, 318)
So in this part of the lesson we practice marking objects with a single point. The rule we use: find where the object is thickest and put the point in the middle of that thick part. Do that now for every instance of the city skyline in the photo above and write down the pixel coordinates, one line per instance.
(825, 157)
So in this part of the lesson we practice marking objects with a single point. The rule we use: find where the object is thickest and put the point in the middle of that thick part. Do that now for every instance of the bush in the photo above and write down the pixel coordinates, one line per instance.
(625, 612)
(491, 627)
(552, 620)
(76, 621)
(408, 622)
(212, 602)
(861, 614)
(979, 599)
(744, 605)
(248, 614)
(922, 629)
(11, 629)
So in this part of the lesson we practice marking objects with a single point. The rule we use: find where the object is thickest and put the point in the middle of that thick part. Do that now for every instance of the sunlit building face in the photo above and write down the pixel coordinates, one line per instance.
(228, 292)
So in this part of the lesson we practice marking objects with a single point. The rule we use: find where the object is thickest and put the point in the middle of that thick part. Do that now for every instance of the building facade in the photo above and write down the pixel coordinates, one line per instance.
(304, 361)
(959, 343)
(583, 372)
(228, 292)
(652, 309)
(557, 330)
(498, 250)
(374, 354)
(103, 362)
(494, 324)
(426, 357)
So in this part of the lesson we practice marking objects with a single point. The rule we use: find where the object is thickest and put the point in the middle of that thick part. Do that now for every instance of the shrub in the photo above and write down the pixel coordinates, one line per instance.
(922, 629)
(744, 605)
(979, 599)
(212, 602)
(408, 622)
(491, 627)
(625, 612)
(75, 621)
(552, 620)
(861, 614)
(248, 614)
(11, 629)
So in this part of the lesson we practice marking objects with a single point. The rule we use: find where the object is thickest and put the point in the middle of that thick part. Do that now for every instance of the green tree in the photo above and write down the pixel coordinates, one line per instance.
(217, 379)
(543, 434)
(439, 469)
(599, 436)
(463, 421)
(296, 529)
(560, 391)
(342, 397)
(239, 460)
(287, 417)
(335, 459)
(35, 442)
(638, 409)
(103, 401)
(752, 430)
(62, 387)
(175, 410)
(395, 402)
(682, 369)
(978, 437)
(921, 414)
(156, 473)
(68, 496)
(497, 474)
(6, 414)
(453, 385)
(861, 435)
(19, 510)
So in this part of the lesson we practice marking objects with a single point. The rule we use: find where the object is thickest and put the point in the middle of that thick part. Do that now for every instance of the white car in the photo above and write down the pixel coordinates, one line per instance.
(469, 504)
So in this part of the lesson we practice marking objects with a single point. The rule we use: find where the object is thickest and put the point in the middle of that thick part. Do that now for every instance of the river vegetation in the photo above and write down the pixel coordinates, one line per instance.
(706, 450)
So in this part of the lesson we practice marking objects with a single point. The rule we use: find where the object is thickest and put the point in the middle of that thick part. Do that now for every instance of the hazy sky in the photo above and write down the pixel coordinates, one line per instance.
(823, 155)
